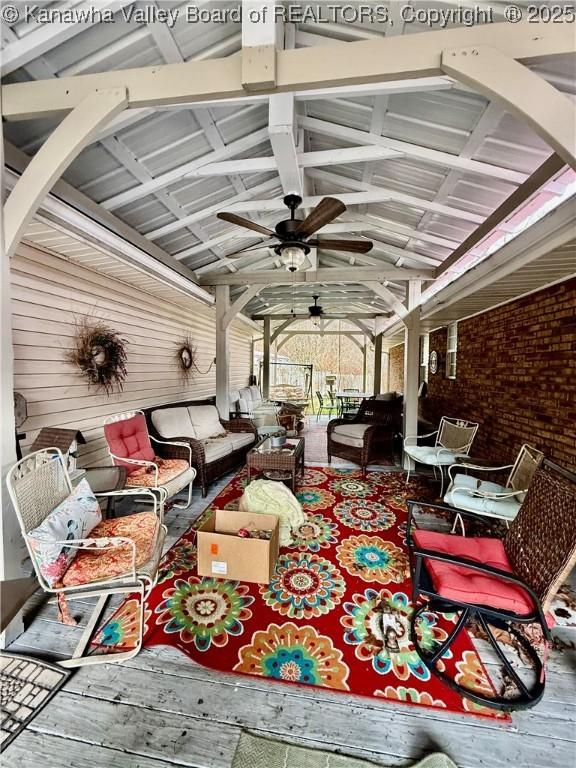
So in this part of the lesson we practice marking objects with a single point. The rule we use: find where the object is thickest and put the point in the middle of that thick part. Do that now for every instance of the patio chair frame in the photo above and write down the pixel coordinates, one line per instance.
(183, 446)
(445, 435)
(521, 473)
(53, 491)
(541, 591)
(322, 406)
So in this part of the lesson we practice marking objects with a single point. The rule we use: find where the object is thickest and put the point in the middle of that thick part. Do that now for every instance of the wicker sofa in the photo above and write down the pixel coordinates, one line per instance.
(217, 445)
(370, 433)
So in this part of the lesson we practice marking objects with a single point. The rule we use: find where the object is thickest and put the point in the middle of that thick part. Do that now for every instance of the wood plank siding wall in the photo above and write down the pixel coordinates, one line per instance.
(49, 293)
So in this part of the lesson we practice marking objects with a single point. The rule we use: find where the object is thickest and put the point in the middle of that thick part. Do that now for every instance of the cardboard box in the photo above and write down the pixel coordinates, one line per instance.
(231, 557)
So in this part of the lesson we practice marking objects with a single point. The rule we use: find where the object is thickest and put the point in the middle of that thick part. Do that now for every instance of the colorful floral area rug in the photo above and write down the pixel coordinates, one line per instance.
(336, 613)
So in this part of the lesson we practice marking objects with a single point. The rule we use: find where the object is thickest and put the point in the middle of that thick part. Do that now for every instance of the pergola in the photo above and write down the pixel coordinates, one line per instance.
(432, 139)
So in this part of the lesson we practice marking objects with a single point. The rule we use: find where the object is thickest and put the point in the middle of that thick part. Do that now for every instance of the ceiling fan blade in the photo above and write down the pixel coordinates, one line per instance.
(241, 222)
(260, 247)
(351, 246)
(326, 211)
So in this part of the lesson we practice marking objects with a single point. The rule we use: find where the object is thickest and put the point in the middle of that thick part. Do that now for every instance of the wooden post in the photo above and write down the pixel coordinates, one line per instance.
(11, 543)
(222, 368)
(365, 364)
(377, 363)
(266, 360)
(411, 364)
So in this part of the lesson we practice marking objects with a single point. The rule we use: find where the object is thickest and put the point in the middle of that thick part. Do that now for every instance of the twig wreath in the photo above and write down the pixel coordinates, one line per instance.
(100, 354)
(185, 357)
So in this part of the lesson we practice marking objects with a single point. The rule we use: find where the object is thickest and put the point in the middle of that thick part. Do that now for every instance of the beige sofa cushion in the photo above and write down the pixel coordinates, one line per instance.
(173, 422)
(205, 420)
(350, 434)
(240, 439)
(216, 449)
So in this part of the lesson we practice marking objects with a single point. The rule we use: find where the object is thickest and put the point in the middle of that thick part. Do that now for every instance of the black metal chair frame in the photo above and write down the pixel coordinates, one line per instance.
(486, 615)
(324, 407)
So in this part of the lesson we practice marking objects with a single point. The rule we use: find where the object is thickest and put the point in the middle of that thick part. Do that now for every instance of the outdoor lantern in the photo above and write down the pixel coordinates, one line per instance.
(293, 257)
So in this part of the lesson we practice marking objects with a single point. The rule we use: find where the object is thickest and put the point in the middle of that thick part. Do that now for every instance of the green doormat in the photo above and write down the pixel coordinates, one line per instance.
(254, 752)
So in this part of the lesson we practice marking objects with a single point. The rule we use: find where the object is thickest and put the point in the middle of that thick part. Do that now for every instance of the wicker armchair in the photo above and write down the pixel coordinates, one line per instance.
(497, 583)
(370, 432)
(117, 556)
(207, 470)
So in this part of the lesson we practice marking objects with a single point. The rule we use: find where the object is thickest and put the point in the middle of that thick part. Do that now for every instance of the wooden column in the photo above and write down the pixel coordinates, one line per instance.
(266, 360)
(378, 342)
(222, 353)
(11, 542)
(377, 363)
(411, 364)
(365, 365)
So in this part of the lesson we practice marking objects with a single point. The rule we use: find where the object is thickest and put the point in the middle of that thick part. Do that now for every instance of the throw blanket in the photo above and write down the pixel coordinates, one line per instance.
(273, 498)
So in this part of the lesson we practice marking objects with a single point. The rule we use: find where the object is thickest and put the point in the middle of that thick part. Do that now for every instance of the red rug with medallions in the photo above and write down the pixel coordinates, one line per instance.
(336, 613)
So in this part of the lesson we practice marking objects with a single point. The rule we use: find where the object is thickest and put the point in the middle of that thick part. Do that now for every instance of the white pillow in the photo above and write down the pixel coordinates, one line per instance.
(206, 421)
(74, 518)
(173, 422)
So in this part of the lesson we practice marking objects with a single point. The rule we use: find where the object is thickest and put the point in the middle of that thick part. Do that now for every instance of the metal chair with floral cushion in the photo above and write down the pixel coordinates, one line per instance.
(76, 554)
(454, 438)
(130, 446)
(500, 584)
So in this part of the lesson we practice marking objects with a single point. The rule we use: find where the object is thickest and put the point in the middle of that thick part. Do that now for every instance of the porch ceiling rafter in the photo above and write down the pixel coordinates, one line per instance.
(403, 148)
(375, 194)
(330, 275)
(541, 175)
(64, 144)
(48, 36)
(405, 56)
(184, 171)
(486, 124)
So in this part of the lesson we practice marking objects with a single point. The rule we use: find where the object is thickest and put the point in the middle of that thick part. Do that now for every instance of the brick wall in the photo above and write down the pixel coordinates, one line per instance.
(396, 369)
(516, 376)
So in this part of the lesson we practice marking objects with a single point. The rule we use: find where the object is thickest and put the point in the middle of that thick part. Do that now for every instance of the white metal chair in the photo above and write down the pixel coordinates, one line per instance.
(38, 484)
(454, 438)
(490, 499)
(130, 445)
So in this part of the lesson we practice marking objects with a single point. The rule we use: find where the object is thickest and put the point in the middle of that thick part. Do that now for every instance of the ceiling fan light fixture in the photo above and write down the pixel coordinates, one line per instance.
(292, 257)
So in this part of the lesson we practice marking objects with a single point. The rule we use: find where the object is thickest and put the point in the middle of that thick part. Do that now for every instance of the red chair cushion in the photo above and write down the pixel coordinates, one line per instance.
(129, 439)
(465, 585)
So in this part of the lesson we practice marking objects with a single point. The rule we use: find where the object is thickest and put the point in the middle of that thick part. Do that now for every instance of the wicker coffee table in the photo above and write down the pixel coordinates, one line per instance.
(284, 463)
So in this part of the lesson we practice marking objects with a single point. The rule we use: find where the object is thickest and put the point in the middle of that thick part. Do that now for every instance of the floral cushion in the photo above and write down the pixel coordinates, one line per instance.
(74, 518)
(96, 565)
(168, 469)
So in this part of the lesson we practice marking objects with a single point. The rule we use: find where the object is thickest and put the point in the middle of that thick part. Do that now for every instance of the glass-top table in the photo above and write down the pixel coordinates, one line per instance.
(283, 463)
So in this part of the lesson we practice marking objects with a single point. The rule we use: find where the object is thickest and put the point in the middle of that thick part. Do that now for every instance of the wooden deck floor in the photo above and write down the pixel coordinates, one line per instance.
(160, 709)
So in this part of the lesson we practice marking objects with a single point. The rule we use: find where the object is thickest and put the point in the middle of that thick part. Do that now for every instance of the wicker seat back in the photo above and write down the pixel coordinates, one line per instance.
(39, 483)
(382, 412)
(541, 542)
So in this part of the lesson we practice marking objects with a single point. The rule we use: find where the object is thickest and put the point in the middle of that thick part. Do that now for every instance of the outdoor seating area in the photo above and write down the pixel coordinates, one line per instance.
(288, 436)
